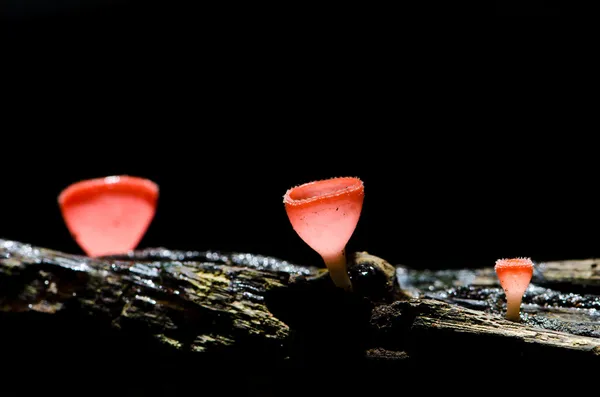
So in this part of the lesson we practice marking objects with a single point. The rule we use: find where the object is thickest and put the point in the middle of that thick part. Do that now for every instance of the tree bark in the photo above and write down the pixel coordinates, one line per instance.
(433, 330)
(181, 310)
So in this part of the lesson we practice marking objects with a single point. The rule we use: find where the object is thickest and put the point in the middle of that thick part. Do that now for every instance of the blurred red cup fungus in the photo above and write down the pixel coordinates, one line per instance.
(325, 213)
(109, 215)
(514, 276)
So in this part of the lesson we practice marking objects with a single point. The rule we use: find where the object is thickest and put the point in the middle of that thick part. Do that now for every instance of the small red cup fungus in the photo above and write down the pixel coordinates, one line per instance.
(109, 215)
(514, 276)
(325, 213)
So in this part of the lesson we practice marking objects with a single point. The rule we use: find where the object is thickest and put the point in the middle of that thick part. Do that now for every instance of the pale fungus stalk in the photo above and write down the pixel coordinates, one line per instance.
(325, 214)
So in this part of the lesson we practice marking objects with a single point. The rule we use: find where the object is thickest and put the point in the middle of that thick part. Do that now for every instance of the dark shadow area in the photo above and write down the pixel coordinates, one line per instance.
(530, 8)
(330, 328)
(79, 354)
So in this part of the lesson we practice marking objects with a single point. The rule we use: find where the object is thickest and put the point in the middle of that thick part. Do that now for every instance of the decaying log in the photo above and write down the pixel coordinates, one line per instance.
(224, 308)
(432, 330)
(212, 304)
(580, 275)
(572, 308)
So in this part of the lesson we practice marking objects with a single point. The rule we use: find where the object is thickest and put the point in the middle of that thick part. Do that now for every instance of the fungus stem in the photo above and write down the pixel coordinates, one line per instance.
(338, 270)
(513, 308)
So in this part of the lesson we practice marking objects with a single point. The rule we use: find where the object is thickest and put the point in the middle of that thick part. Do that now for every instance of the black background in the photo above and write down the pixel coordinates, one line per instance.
(542, 8)
(469, 151)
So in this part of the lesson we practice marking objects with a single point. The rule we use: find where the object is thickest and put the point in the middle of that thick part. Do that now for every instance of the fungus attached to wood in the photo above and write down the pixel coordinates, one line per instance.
(514, 276)
(109, 215)
(325, 213)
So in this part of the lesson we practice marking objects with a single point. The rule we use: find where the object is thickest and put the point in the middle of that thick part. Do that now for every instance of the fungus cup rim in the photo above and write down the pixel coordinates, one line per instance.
(84, 189)
(357, 185)
(514, 263)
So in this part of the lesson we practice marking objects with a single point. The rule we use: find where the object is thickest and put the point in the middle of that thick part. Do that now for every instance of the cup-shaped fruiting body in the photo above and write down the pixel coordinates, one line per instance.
(325, 213)
(109, 215)
(514, 276)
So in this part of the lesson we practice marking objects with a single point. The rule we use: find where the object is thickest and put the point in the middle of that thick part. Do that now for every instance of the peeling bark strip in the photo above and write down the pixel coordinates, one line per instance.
(210, 304)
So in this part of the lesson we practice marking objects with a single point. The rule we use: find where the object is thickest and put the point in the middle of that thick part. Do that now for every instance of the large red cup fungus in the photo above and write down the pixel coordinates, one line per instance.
(109, 215)
(324, 214)
(514, 276)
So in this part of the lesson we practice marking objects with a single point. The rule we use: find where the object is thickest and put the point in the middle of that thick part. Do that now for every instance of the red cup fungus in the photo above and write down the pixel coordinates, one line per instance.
(514, 276)
(109, 215)
(325, 213)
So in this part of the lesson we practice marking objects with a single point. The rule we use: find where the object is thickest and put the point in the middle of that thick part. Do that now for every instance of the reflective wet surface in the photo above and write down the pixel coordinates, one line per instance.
(571, 312)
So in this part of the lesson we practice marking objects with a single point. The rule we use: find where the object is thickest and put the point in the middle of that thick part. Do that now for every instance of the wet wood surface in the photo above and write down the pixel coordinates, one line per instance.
(212, 307)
